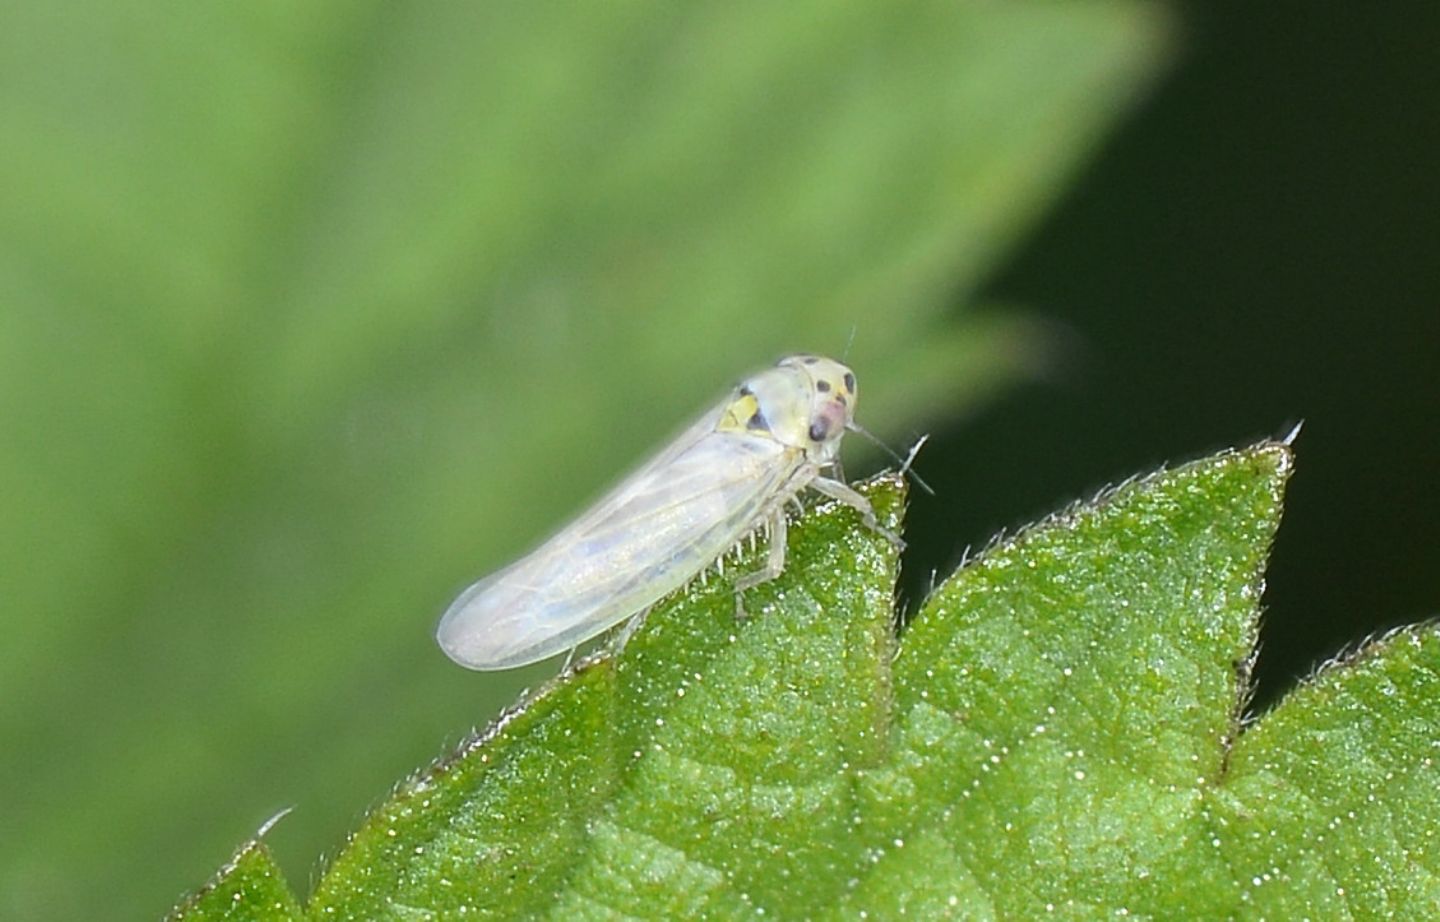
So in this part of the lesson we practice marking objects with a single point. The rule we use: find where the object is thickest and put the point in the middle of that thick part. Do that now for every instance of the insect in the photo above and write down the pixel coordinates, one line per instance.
(727, 476)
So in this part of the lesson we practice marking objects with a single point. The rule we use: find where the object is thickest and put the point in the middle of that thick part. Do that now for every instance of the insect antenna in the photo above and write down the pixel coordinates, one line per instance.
(906, 469)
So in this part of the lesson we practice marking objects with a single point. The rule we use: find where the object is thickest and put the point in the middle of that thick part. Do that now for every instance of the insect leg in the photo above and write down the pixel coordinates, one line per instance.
(774, 561)
(627, 630)
(837, 490)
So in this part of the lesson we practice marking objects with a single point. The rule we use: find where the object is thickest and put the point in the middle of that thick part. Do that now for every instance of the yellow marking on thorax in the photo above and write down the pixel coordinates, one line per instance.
(743, 415)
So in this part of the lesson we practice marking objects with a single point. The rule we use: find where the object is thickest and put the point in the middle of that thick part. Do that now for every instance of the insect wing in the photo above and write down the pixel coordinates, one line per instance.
(648, 537)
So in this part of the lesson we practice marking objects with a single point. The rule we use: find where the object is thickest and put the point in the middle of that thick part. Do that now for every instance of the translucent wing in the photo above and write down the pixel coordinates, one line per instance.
(648, 537)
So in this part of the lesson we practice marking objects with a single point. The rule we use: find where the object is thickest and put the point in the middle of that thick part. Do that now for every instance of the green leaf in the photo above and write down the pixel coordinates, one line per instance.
(709, 753)
(248, 889)
(1057, 733)
(1068, 697)
(313, 312)
(1332, 805)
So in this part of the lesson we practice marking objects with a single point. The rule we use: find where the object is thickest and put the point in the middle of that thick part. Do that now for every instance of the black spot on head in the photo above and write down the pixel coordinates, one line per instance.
(818, 431)
(809, 360)
(745, 391)
(849, 381)
(822, 386)
(757, 422)
(840, 399)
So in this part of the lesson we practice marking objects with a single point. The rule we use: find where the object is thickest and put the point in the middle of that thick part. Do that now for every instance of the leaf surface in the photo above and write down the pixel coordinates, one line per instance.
(1057, 733)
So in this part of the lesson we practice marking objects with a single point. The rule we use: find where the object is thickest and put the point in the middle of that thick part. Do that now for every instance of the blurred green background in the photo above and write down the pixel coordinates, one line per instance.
(311, 315)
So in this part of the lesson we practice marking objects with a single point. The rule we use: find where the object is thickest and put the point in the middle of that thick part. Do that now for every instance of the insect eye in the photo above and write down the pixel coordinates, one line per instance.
(849, 381)
(822, 386)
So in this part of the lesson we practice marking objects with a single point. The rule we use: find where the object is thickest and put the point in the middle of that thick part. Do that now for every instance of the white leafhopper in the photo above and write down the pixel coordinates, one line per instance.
(728, 475)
